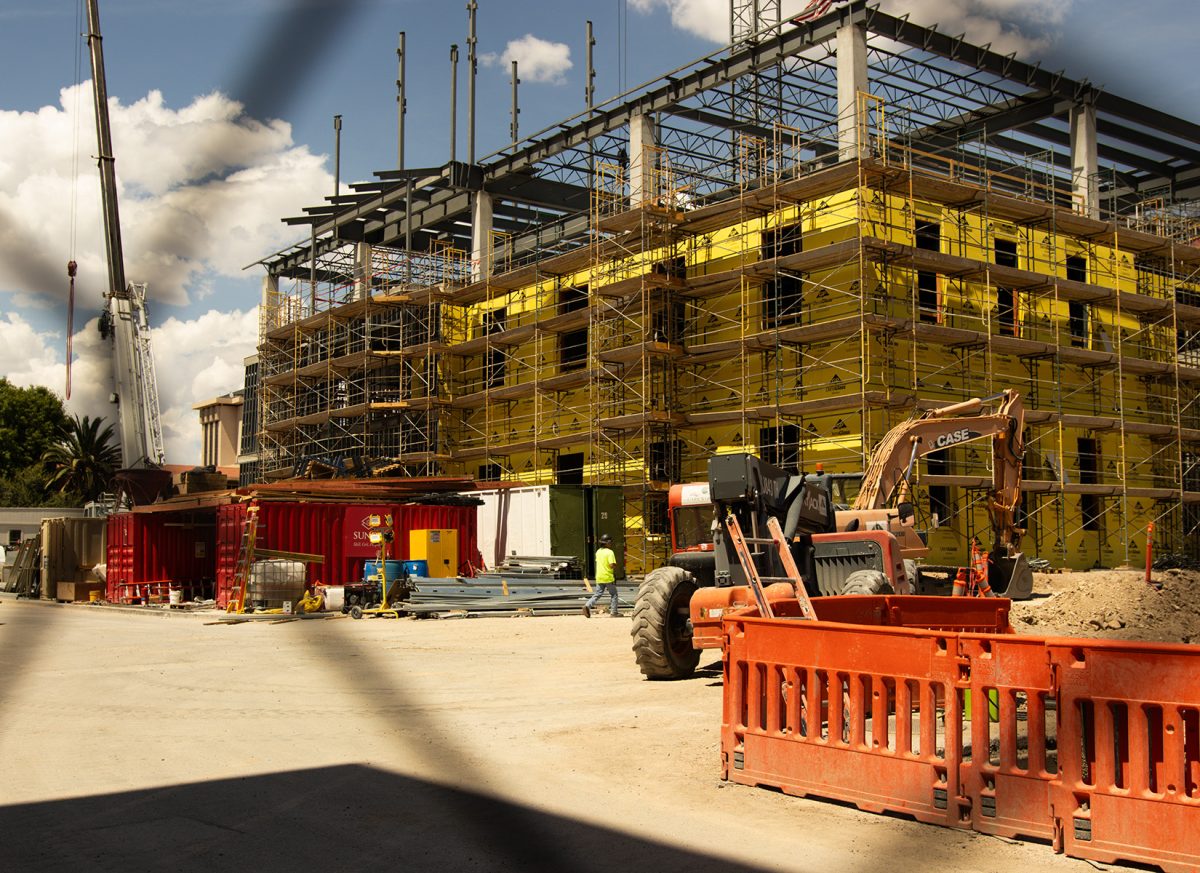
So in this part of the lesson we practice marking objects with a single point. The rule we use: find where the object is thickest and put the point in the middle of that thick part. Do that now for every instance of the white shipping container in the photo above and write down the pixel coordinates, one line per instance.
(513, 521)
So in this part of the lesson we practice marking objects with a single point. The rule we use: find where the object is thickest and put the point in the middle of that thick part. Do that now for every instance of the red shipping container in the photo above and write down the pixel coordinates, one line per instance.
(338, 531)
(147, 553)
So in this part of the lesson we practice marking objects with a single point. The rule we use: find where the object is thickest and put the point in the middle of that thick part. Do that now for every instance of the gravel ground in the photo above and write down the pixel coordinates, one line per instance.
(145, 742)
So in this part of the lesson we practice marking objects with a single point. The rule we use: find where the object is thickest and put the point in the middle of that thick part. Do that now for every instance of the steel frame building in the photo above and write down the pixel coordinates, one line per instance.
(785, 247)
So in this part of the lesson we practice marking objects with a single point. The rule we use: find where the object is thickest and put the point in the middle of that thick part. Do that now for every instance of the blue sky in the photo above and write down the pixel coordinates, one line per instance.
(293, 64)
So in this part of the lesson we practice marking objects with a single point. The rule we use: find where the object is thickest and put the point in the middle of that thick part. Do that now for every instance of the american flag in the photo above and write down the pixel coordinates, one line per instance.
(815, 9)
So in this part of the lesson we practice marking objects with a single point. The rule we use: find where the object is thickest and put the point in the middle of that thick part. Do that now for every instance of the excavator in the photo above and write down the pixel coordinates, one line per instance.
(870, 546)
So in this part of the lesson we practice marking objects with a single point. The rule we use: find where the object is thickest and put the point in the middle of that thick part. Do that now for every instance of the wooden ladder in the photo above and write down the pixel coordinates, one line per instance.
(245, 560)
(741, 545)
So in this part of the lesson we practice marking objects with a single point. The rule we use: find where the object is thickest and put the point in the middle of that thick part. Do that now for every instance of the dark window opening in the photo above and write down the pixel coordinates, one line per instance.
(1089, 468)
(657, 520)
(780, 446)
(665, 460)
(782, 296)
(490, 473)
(1006, 252)
(929, 235)
(667, 322)
(927, 297)
(572, 298)
(1006, 310)
(676, 268)
(494, 366)
(572, 350)
(568, 469)
(1077, 311)
(779, 242)
(938, 464)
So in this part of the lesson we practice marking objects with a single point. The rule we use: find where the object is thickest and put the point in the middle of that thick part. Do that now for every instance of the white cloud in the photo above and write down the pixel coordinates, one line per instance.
(538, 60)
(1009, 25)
(201, 191)
(195, 359)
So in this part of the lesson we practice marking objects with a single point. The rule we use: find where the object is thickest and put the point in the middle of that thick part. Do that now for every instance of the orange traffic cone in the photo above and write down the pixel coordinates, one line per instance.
(979, 569)
(960, 583)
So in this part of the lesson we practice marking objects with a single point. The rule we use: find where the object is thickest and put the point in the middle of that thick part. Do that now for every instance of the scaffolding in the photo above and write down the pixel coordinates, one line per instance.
(741, 283)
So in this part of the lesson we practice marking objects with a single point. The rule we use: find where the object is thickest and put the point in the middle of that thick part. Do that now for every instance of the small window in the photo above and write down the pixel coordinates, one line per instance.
(657, 520)
(568, 469)
(782, 297)
(572, 350)
(1006, 252)
(1077, 311)
(1006, 310)
(929, 235)
(1089, 468)
(572, 298)
(780, 446)
(494, 365)
(665, 460)
(490, 473)
(928, 304)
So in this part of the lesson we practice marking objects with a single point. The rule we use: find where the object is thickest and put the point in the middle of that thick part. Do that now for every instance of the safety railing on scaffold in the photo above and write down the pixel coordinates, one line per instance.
(933, 708)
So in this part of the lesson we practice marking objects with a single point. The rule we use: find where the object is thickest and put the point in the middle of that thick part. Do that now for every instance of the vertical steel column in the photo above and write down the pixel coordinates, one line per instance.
(516, 111)
(589, 84)
(453, 101)
(401, 103)
(472, 67)
(337, 155)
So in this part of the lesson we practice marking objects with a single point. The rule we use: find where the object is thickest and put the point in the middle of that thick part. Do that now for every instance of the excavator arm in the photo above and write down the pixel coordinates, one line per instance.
(886, 481)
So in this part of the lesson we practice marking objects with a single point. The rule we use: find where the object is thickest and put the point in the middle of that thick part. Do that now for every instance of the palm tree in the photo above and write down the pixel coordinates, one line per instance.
(83, 461)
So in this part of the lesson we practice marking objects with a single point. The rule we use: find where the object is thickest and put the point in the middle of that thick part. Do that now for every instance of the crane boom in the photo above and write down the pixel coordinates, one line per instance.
(124, 320)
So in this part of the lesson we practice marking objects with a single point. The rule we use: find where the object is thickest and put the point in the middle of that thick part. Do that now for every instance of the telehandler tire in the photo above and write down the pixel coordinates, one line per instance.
(867, 582)
(662, 640)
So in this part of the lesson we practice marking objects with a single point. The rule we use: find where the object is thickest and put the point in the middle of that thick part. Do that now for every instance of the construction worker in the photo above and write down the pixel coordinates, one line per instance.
(606, 578)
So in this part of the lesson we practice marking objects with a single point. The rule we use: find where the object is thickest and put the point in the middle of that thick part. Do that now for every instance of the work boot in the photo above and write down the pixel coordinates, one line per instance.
(587, 612)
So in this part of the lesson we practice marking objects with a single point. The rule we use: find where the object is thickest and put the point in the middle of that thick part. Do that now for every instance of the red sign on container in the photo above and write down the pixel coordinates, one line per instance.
(356, 529)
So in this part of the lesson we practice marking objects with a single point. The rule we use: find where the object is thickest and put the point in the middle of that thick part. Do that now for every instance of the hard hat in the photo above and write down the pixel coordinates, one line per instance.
(605, 540)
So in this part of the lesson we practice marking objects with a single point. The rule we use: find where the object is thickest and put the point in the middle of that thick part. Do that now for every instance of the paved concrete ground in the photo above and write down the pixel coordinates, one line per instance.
(136, 742)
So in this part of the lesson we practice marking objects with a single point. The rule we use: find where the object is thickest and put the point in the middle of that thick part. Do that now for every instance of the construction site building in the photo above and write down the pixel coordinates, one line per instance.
(785, 247)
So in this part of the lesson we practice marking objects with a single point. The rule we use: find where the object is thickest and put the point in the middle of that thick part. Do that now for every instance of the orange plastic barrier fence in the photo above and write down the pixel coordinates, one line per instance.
(1129, 742)
(1092, 745)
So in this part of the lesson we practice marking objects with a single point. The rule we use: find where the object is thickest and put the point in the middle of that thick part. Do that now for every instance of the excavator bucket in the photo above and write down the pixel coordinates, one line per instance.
(1010, 576)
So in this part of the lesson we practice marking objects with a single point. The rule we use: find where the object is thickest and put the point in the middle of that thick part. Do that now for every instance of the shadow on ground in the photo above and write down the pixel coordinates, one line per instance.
(352, 818)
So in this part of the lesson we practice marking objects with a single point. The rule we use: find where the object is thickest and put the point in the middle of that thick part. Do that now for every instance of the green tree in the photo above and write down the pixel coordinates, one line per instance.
(31, 420)
(83, 461)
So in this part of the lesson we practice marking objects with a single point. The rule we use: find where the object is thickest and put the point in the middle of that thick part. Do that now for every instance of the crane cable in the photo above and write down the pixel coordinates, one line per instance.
(71, 265)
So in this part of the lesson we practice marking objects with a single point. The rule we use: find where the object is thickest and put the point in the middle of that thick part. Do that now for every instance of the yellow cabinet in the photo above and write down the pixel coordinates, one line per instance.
(438, 547)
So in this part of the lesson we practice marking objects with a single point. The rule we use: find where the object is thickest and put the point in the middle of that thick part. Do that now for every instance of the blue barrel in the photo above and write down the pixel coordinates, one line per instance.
(394, 569)
(417, 568)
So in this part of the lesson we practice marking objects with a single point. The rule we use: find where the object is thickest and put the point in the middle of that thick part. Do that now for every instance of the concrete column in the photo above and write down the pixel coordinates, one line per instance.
(362, 270)
(641, 178)
(1085, 160)
(851, 78)
(481, 236)
(268, 306)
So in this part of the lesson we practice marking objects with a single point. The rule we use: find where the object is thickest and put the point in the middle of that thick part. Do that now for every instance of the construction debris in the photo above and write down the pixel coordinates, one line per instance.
(1115, 604)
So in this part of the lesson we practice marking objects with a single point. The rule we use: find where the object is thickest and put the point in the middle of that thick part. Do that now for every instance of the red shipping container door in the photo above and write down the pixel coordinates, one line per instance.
(149, 553)
(338, 531)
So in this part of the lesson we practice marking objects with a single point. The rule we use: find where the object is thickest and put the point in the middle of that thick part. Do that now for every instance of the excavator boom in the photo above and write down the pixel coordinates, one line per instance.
(886, 480)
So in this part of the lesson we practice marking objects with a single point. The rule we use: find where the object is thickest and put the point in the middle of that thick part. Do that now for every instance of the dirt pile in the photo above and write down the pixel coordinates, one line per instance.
(1114, 604)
